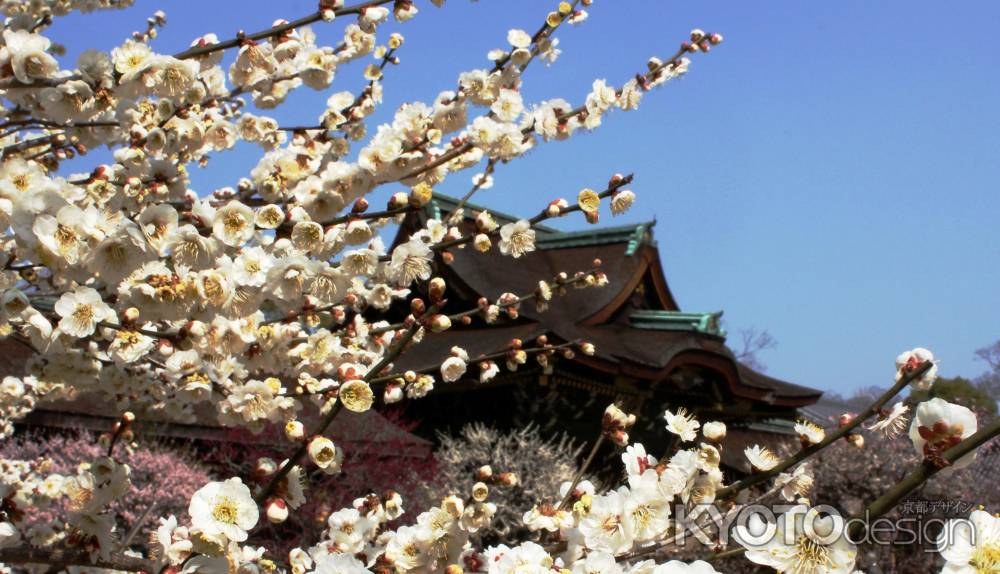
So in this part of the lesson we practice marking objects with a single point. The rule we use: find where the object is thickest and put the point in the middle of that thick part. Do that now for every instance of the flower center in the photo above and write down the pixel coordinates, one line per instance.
(21, 181)
(986, 559)
(611, 524)
(325, 454)
(83, 315)
(65, 237)
(233, 223)
(134, 60)
(225, 511)
(810, 556)
(642, 516)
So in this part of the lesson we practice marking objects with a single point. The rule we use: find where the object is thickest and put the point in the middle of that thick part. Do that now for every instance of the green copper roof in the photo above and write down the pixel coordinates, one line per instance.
(707, 323)
(634, 235)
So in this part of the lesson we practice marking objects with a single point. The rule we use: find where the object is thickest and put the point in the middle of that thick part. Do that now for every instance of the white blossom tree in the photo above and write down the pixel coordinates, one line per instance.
(263, 301)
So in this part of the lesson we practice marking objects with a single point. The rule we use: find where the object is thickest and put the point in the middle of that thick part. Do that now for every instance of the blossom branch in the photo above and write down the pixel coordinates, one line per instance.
(922, 473)
(463, 148)
(199, 51)
(397, 349)
(487, 357)
(831, 438)
(582, 470)
(580, 277)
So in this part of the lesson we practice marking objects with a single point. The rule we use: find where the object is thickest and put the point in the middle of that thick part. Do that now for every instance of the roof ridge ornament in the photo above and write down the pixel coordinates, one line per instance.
(659, 320)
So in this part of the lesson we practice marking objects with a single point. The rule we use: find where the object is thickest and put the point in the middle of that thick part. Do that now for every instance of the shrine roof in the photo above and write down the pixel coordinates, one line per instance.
(634, 322)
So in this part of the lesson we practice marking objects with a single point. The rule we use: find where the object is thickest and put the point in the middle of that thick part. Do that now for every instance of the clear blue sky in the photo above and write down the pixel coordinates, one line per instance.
(829, 174)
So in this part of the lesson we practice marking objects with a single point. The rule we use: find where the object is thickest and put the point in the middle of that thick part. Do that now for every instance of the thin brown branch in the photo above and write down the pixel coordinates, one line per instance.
(583, 469)
(831, 438)
(199, 51)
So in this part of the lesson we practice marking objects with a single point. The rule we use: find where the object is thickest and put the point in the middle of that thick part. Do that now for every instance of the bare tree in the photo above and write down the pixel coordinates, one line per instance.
(990, 380)
(754, 342)
(990, 354)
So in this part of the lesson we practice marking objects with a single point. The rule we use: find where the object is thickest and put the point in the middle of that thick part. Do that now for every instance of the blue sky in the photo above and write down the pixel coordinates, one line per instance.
(830, 173)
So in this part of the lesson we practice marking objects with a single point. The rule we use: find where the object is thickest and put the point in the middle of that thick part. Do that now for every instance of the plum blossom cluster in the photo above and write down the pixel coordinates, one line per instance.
(276, 297)
(271, 298)
(125, 281)
(30, 486)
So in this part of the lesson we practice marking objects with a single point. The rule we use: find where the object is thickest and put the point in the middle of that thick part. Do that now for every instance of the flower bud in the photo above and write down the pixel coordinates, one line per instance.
(508, 479)
(277, 511)
(482, 243)
(484, 472)
(398, 200)
(393, 394)
(714, 431)
(556, 208)
(164, 347)
(436, 289)
(440, 323)
(417, 307)
(856, 440)
(265, 467)
(294, 430)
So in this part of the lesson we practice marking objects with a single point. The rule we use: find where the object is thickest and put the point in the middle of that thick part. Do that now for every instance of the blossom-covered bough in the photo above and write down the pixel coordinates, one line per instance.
(269, 300)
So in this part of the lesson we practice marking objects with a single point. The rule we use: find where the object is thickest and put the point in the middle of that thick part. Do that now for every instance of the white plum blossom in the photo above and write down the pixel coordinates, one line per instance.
(910, 360)
(939, 425)
(809, 432)
(452, 369)
(340, 564)
(973, 546)
(27, 54)
(682, 424)
(234, 224)
(893, 422)
(802, 541)
(81, 311)
(761, 457)
(410, 261)
(604, 527)
(224, 508)
(517, 239)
